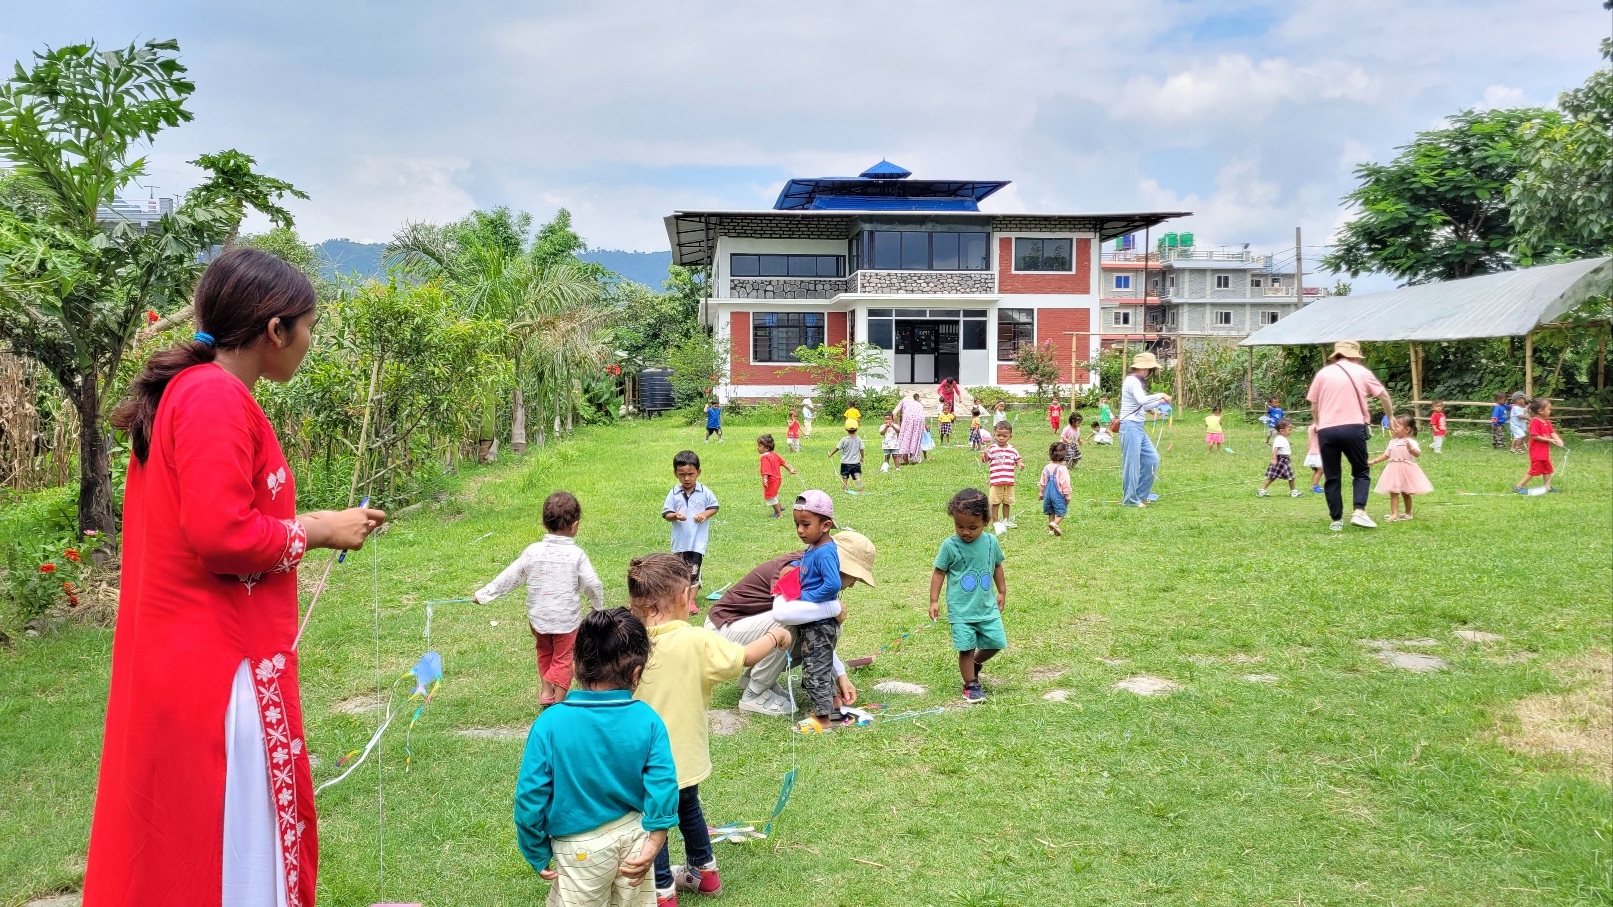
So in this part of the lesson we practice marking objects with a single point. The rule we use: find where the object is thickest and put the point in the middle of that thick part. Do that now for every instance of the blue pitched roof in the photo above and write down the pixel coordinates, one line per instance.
(884, 187)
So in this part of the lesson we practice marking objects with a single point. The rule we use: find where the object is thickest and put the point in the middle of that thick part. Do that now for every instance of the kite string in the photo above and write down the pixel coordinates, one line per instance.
(380, 793)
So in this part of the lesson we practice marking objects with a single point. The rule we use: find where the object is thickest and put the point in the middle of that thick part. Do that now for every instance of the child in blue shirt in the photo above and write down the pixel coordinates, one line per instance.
(713, 421)
(598, 787)
(1498, 422)
(808, 597)
(1274, 414)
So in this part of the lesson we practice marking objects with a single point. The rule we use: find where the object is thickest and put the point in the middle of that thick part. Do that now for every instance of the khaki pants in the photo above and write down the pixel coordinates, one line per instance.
(589, 865)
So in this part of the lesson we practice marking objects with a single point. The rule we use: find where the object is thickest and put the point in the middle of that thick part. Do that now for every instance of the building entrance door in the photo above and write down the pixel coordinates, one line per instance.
(926, 351)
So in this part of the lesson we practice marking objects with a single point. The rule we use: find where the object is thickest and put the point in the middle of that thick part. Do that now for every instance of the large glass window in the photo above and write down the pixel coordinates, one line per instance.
(880, 333)
(1014, 327)
(974, 334)
(786, 266)
(917, 250)
(1042, 255)
(775, 336)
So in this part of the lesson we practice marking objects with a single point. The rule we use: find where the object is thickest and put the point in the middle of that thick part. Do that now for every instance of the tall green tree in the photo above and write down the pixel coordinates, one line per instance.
(1439, 211)
(72, 289)
(1562, 196)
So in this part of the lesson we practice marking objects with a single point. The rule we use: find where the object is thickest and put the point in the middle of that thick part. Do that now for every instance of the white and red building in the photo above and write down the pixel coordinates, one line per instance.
(911, 266)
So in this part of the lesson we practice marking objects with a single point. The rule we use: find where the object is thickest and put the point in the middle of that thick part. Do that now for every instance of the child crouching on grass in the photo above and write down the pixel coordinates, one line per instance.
(686, 663)
(598, 787)
(558, 576)
(969, 563)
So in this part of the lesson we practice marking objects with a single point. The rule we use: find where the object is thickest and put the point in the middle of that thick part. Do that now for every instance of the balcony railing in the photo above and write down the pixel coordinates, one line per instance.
(1229, 255)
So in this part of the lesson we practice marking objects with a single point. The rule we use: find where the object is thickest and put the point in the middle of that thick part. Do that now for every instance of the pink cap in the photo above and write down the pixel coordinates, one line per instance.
(818, 502)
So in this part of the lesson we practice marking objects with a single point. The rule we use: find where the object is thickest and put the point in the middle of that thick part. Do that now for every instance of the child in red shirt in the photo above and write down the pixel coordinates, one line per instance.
(1436, 421)
(772, 478)
(792, 433)
(1055, 415)
(1541, 437)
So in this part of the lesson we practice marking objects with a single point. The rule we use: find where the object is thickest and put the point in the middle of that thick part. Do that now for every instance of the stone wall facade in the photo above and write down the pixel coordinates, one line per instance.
(980, 282)
(785, 288)
(783, 225)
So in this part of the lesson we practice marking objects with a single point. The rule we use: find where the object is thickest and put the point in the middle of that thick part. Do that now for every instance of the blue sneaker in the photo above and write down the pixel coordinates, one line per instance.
(1316, 489)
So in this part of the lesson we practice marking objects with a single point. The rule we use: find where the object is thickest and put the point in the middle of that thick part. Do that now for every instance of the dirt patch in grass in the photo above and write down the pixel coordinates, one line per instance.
(495, 733)
(1574, 726)
(1047, 672)
(362, 704)
(725, 722)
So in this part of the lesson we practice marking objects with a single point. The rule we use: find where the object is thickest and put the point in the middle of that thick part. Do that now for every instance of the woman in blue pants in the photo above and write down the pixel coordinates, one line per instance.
(1138, 458)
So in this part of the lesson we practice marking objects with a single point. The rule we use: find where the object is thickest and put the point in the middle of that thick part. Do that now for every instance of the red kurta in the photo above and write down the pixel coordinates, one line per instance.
(210, 549)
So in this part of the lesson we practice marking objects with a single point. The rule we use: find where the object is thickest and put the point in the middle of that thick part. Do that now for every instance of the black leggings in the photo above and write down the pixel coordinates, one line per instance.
(696, 838)
(1348, 442)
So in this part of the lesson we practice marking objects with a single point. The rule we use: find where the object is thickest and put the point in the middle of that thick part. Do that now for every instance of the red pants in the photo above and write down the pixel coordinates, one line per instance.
(554, 657)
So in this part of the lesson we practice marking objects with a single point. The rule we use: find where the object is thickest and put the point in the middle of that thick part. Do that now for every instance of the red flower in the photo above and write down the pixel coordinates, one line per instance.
(71, 554)
(47, 568)
(90, 533)
(151, 315)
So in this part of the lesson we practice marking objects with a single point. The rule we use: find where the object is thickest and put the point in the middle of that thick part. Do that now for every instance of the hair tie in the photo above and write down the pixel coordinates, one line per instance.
(205, 338)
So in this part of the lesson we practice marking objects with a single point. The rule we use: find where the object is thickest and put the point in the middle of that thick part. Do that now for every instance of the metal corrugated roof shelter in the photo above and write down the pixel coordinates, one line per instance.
(1508, 304)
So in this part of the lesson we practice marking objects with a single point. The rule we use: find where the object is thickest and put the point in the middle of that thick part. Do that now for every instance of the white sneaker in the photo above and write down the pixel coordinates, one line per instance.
(768, 703)
(1262, 493)
(1010, 524)
(1338, 526)
(1296, 493)
(1362, 520)
(998, 527)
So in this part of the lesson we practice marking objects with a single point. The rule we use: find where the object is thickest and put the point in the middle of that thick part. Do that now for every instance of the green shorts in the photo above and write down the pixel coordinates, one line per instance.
(979, 634)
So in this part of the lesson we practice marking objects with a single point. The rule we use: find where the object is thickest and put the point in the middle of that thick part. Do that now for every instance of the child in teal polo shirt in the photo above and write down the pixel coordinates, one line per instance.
(598, 788)
(969, 563)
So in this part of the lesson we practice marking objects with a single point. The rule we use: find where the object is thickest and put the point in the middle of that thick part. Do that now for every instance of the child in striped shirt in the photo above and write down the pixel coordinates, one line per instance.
(1003, 460)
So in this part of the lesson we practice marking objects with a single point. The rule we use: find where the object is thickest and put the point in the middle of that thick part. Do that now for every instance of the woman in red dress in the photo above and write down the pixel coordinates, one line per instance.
(205, 796)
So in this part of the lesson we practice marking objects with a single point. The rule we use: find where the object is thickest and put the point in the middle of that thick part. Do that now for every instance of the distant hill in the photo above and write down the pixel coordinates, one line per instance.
(344, 256)
(648, 268)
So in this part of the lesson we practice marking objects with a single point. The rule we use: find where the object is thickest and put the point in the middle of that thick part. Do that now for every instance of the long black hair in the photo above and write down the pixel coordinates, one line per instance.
(237, 297)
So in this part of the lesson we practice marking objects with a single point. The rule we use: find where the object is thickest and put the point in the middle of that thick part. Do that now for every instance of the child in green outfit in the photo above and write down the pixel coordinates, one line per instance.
(970, 563)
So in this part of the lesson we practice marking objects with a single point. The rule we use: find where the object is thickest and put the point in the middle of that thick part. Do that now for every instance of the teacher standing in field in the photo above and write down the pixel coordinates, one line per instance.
(1338, 398)
(205, 796)
(1139, 461)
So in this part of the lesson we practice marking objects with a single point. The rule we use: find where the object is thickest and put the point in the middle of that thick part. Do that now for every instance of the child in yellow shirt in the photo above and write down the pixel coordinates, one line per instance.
(1213, 436)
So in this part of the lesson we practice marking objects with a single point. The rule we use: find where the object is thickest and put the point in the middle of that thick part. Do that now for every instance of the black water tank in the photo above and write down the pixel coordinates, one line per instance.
(655, 390)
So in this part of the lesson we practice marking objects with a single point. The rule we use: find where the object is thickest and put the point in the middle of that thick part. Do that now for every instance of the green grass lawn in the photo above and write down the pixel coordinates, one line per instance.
(1344, 781)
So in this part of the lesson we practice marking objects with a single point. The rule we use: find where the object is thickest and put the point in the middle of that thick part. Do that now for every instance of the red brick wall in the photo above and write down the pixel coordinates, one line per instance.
(1051, 325)
(1079, 282)
(742, 372)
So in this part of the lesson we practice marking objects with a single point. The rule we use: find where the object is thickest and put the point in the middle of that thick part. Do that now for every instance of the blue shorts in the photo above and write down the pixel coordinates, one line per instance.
(1053, 501)
(982, 634)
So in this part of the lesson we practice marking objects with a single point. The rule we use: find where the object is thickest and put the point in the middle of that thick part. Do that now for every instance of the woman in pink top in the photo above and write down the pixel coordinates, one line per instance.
(1338, 397)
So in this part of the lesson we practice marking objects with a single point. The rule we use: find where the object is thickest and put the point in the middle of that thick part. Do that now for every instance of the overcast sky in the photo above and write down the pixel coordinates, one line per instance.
(1249, 114)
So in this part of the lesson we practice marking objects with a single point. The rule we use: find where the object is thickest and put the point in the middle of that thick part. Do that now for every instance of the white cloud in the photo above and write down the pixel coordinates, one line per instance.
(1497, 97)
(376, 195)
(1234, 85)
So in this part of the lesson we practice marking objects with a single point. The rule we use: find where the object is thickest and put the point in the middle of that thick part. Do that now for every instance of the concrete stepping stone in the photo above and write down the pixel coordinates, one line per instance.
(71, 899)
(1148, 685)
(900, 688)
(1478, 636)
(357, 705)
(1416, 662)
(494, 733)
(1422, 642)
(1260, 678)
(1056, 695)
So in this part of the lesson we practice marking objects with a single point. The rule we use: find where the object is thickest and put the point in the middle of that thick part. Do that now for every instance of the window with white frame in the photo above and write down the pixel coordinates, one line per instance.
(1269, 317)
(1223, 281)
(1121, 318)
(1122, 281)
(1221, 318)
(1170, 317)
(1043, 255)
(775, 336)
(1015, 327)
(1255, 282)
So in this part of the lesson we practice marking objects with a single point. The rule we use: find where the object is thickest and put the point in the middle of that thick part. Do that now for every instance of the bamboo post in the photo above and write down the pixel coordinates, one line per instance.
(1181, 362)
(1529, 364)
(1416, 382)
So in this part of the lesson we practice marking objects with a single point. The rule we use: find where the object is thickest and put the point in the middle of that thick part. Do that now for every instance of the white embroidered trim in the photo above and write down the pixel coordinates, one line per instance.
(296, 547)
(282, 750)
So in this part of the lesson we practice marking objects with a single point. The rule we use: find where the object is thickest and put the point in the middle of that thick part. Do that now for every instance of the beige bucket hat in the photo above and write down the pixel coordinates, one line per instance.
(1145, 360)
(1349, 349)
(856, 555)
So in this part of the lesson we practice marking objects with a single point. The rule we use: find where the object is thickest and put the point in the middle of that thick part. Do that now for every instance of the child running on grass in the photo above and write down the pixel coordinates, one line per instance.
(1437, 423)
(1055, 487)
(969, 563)
(1003, 461)
(792, 434)
(977, 438)
(1541, 436)
(889, 443)
(772, 478)
(1402, 478)
(1071, 436)
(713, 420)
(1282, 461)
(689, 507)
(1313, 457)
(1214, 437)
(807, 596)
(685, 664)
(558, 577)
(850, 450)
(598, 787)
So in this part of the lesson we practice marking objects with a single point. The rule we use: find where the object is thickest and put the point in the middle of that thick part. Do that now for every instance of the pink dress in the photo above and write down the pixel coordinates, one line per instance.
(1402, 475)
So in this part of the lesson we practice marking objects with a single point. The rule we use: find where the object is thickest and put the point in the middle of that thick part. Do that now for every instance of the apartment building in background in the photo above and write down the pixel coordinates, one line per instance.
(911, 266)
